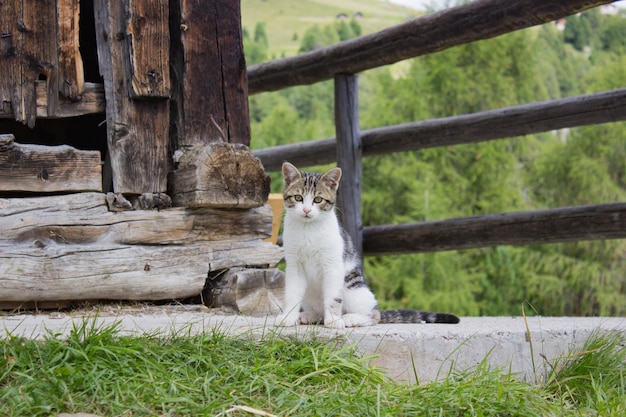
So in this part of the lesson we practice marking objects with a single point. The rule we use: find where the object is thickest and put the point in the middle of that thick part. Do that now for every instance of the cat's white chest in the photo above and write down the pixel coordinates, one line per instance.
(313, 246)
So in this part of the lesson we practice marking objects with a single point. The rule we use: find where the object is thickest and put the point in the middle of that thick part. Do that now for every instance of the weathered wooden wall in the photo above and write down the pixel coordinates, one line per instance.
(112, 246)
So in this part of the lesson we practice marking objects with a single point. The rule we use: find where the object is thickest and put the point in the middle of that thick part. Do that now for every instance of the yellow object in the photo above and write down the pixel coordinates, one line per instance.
(277, 204)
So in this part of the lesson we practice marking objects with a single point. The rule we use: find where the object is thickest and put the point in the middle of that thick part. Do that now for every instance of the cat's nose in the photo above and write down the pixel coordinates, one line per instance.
(306, 210)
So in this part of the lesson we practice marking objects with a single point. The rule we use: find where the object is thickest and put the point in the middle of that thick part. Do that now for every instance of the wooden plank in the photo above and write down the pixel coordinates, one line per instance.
(603, 107)
(38, 168)
(209, 73)
(219, 175)
(253, 292)
(148, 26)
(137, 130)
(71, 75)
(473, 21)
(40, 60)
(603, 221)
(50, 272)
(349, 154)
(11, 44)
(84, 218)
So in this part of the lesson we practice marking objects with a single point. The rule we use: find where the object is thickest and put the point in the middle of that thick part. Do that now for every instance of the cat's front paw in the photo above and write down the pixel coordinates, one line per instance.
(287, 320)
(335, 324)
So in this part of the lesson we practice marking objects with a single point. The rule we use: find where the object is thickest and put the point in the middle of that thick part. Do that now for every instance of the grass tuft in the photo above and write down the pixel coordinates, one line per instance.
(593, 378)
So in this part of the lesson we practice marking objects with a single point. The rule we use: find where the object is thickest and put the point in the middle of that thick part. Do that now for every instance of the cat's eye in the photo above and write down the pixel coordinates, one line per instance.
(298, 197)
(318, 200)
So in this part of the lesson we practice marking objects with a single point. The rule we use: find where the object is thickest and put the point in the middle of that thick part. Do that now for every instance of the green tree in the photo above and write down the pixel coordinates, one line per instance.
(256, 49)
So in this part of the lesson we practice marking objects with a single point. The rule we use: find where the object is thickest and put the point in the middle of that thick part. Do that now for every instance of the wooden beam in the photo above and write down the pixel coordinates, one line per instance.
(209, 74)
(38, 168)
(71, 74)
(603, 221)
(473, 21)
(137, 130)
(603, 107)
(349, 157)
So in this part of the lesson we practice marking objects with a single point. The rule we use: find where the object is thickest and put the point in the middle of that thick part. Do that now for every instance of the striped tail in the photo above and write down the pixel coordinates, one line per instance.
(416, 316)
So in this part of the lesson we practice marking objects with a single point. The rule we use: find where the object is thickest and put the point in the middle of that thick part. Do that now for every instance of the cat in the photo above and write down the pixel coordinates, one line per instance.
(324, 282)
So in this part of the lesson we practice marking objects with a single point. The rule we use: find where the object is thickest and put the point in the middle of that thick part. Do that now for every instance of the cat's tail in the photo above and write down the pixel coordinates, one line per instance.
(416, 316)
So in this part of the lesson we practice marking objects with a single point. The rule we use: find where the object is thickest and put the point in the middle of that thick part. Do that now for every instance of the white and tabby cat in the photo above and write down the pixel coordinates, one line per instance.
(324, 282)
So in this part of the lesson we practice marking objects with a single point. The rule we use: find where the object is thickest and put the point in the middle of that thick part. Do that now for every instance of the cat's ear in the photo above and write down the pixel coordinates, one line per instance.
(290, 173)
(331, 178)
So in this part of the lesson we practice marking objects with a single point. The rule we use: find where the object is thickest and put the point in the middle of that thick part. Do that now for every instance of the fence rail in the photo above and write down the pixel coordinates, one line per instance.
(602, 221)
(525, 119)
(477, 20)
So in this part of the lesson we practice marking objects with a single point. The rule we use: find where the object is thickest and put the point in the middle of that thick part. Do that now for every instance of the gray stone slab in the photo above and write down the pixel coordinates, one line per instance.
(428, 351)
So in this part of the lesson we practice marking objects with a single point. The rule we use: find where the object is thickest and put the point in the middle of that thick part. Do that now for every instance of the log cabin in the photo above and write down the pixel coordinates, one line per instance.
(125, 172)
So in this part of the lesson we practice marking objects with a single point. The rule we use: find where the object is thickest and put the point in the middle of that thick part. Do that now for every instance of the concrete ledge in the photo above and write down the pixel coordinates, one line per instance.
(429, 351)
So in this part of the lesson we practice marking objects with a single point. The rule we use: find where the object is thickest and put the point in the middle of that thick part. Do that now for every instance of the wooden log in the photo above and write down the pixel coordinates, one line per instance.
(50, 272)
(476, 20)
(253, 292)
(80, 219)
(219, 175)
(603, 221)
(137, 130)
(38, 168)
(209, 73)
(349, 155)
(603, 107)
(71, 74)
(70, 247)
(148, 26)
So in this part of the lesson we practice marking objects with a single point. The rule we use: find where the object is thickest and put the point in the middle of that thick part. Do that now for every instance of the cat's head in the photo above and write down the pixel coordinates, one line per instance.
(308, 195)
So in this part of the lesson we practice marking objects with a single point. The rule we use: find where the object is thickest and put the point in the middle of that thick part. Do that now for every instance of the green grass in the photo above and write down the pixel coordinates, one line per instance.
(283, 18)
(98, 370)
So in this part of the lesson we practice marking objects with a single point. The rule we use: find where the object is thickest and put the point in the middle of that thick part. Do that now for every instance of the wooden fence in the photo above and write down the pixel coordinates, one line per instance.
(480, 19)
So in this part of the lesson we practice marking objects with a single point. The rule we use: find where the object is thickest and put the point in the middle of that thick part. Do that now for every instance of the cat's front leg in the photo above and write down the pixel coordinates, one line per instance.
(295, 285)
(333, 300)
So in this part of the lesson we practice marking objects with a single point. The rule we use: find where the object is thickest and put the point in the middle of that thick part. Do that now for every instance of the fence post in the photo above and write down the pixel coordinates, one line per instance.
(349, 152)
